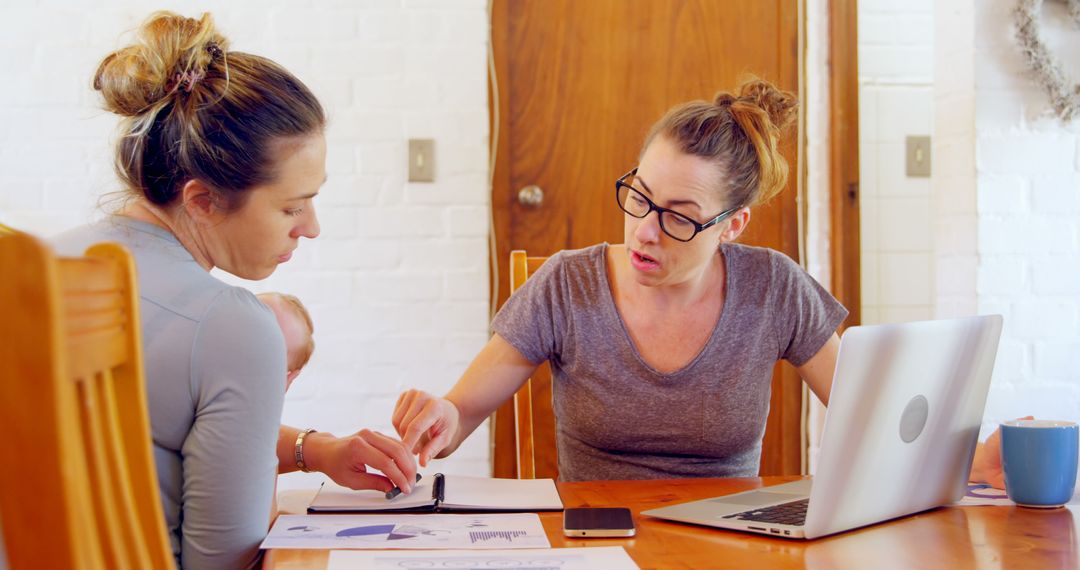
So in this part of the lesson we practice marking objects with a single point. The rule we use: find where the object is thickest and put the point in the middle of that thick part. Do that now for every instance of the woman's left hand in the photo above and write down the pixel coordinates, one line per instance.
(346, 460)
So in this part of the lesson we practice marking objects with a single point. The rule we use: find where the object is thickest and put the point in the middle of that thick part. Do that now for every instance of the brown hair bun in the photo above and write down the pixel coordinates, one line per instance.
(170, 51)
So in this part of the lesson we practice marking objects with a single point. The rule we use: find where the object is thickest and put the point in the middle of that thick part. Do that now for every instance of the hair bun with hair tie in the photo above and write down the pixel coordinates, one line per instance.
(724, 99)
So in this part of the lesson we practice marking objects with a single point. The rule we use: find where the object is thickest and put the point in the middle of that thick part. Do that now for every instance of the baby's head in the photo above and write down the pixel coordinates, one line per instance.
(297, 328)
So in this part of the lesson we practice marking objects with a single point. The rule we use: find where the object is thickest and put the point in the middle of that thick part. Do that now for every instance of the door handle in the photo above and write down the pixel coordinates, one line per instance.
(531, 196)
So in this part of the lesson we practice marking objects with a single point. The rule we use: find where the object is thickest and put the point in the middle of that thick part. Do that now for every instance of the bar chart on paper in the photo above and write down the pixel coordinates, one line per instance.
(484, 531)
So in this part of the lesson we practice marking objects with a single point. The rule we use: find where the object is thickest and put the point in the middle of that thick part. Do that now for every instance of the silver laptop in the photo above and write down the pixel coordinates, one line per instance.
(900, 432)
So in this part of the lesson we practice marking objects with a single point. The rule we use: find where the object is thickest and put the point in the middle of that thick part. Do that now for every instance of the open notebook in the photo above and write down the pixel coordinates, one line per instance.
(445, 493)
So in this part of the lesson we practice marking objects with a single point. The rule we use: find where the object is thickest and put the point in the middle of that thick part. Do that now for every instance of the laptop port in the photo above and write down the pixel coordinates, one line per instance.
(787, 532)
(762, 529)
(774, 530)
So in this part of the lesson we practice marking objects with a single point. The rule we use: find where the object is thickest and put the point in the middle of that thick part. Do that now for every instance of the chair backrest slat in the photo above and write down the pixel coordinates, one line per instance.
(534, 420)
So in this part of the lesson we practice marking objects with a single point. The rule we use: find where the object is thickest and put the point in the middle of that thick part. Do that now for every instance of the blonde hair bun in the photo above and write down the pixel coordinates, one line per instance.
(170, 54)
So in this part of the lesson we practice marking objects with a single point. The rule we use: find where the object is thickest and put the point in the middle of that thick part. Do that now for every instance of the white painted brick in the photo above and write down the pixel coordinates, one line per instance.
(1001, 67)
(22, 194)
(1057, 360)
(947, 307)
(870, 315)
(389, 222)
(462, 159)
(1002, 275)
(1037, 319)
(467, 286)
(1028, 153)
(384, 317)
(295, 24)
(904, 224)
(357, 59)
(469, 221)
(904, 111)
(336, 222)
(359, 254)
(364, 126)
(1054, 235)
(1055, 195)
(956, 234)
(1000, 110)
(449, 316)
(894, 6)
(431, 125)
(459, 254)
(381, 26)
(1052, 400)
(465, 348)
(339, 160)
(892, 173)
(896, 64)
(904, 314)
(868, 279)
(362, 190)
(868, 171)
(470, 189)
(956, 274)
(896, 29)
(999, 235)
(954, 116)
(1003, 195)
(905, 278)
(953, 159)
(400, 287)
(334, 92)
(381, 158)
(1056, 275)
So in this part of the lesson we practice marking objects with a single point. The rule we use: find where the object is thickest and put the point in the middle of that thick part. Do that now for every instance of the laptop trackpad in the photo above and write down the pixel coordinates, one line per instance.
(754, 499)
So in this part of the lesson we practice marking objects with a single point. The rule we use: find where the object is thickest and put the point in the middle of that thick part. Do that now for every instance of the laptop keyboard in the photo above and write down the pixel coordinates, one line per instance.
(793, 513)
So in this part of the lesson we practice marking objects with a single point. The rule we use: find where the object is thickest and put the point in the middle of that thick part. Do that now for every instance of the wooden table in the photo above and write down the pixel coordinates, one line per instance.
(952, 537)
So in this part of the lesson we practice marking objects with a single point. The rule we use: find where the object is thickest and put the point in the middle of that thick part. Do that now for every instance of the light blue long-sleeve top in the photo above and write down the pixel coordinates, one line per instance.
(215, 375)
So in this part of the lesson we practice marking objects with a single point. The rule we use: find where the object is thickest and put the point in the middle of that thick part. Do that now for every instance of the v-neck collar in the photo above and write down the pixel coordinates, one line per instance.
(729, 295)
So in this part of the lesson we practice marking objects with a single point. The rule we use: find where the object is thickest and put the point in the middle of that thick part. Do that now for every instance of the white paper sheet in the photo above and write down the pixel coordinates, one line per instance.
(606, 557)
(513, 530)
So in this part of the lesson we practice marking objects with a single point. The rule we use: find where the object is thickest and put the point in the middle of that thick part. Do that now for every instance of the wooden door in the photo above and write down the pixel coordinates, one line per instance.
(579, 83)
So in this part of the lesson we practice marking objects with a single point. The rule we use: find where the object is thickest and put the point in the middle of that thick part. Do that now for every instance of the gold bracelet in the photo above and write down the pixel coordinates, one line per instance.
(298, 450)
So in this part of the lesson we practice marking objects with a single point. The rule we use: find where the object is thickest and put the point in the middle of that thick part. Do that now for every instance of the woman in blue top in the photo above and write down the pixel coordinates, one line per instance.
(222, 153)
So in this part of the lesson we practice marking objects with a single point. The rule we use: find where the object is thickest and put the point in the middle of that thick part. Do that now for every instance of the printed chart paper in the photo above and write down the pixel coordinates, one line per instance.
(605, 557)
(514, 530)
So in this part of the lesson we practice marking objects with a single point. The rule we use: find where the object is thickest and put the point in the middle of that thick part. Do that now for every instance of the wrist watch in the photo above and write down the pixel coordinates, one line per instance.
(298, 450)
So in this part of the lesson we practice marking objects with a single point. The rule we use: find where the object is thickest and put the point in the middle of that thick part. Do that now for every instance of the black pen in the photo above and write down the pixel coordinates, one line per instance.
(397, 490)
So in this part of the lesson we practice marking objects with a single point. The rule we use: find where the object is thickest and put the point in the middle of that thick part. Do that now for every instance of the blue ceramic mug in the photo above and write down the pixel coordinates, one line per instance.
(1039, 458)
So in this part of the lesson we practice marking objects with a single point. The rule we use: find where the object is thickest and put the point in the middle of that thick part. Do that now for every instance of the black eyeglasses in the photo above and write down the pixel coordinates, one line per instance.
(674, 224)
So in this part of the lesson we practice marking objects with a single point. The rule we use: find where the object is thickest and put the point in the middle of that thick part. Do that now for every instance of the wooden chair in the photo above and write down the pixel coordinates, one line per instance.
(78, 488)
(530, 414)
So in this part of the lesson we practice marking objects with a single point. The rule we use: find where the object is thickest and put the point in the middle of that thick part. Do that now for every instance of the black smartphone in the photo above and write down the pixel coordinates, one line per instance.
(598, 522)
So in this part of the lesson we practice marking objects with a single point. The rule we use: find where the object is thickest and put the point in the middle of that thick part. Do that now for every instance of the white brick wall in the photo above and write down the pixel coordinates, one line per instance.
(398, 282)
(895, 100)
(1028, 184)
(1007, 195)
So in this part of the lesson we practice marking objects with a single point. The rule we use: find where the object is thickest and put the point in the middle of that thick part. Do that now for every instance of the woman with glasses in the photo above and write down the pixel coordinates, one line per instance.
(662, 349)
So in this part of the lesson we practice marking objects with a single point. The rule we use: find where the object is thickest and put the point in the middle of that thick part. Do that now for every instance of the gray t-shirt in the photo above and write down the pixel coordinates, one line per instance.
(617, 417)
(215, 383)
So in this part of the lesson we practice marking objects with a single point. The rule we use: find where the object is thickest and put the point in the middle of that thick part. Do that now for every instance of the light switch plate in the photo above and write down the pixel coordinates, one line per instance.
(918, 156)
(421, 160)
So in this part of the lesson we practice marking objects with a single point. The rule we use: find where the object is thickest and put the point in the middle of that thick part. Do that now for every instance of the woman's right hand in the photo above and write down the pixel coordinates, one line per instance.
(427, 424)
